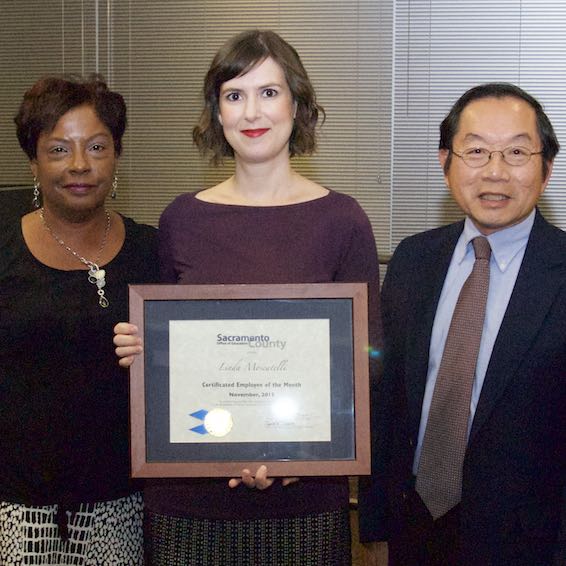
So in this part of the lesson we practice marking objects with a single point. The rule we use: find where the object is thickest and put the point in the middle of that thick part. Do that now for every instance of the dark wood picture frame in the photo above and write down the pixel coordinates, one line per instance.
(350, 297)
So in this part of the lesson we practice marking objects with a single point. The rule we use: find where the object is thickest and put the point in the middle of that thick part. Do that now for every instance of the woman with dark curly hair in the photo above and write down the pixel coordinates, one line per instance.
(65, 492)
(265, 224)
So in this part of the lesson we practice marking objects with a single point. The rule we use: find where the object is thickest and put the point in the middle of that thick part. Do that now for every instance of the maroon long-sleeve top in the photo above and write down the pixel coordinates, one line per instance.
(322, 240)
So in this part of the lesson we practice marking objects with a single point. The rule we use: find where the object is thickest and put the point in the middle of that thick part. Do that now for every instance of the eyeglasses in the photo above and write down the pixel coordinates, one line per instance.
(480, 156)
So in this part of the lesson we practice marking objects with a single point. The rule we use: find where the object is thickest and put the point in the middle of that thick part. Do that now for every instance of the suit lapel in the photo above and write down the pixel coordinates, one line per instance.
(537, 283)
(433, 264)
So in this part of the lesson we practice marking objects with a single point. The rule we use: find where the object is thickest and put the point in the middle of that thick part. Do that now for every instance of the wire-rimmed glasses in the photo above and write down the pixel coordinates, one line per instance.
(480, 156)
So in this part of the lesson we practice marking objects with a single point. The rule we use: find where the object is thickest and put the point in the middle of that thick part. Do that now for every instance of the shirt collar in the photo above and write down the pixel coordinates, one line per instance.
(505, 244)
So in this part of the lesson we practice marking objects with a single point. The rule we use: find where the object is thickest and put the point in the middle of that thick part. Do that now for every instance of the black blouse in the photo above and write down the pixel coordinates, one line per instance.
(63, 397)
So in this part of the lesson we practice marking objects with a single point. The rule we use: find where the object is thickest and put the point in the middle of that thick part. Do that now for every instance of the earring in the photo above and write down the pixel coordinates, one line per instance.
(114, 187)
(36, 194)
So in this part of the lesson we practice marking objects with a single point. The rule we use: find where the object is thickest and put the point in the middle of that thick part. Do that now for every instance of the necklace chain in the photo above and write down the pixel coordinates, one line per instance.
(96, 276)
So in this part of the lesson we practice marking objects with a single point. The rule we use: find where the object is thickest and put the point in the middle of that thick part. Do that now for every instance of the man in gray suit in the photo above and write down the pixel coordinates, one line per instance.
(502, 501)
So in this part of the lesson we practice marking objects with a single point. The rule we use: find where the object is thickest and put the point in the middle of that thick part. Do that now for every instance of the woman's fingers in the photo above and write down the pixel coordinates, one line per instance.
(259, 481)
(128, 343)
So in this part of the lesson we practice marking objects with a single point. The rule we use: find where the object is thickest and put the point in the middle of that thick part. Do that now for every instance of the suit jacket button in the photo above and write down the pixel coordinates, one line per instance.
(404, 495)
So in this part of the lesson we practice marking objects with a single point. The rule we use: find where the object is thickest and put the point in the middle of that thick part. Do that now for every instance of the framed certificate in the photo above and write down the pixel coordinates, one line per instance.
(236, 376)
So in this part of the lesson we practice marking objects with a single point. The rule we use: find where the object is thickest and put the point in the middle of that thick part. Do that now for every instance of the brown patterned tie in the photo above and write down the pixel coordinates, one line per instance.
(439, 477)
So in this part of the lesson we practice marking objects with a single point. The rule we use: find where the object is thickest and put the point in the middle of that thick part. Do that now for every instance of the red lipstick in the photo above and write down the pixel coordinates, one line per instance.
(255, 133)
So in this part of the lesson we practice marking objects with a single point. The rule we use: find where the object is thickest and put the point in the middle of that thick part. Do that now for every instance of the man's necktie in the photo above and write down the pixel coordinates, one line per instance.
(439, 476)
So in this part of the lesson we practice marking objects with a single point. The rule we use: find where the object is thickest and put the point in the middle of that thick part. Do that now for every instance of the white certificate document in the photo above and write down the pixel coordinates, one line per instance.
(249, 380)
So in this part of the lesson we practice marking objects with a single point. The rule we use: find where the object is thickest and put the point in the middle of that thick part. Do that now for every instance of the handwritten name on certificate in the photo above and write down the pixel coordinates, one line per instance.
(249, 380)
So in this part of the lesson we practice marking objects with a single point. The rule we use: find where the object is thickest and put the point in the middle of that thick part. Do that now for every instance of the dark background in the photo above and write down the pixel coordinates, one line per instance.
(14, 202)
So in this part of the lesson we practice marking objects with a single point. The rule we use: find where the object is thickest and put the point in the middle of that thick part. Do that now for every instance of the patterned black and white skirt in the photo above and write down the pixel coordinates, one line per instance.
(103, 533)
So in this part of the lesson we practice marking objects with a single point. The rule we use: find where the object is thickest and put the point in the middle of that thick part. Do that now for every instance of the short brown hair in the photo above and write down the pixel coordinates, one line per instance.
(235, 58)
(51, 97)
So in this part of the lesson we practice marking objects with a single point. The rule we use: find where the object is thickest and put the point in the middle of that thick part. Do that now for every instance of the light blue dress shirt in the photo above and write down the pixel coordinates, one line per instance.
(507, 251)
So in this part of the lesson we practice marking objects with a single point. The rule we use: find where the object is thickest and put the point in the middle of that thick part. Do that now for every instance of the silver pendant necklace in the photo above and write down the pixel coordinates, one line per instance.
(96, 276)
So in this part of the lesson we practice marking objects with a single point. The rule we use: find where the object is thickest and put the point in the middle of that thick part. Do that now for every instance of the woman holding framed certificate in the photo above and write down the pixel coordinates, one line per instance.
(265, 224)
